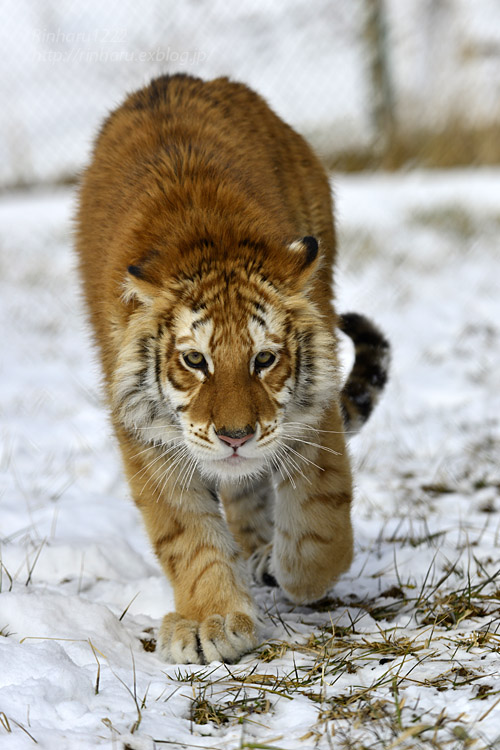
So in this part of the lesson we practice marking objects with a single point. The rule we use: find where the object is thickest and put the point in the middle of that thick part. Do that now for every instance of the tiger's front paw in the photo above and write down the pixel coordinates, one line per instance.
(217, 638)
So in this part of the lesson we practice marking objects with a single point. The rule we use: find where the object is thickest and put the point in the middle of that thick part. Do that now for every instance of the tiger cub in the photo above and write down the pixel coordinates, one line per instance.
(206, 245)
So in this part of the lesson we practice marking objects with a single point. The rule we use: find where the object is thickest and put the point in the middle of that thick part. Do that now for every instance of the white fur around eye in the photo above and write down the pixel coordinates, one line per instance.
(194, 337)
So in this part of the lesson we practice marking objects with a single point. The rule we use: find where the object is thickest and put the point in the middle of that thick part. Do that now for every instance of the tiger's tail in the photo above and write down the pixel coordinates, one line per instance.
(369, 373)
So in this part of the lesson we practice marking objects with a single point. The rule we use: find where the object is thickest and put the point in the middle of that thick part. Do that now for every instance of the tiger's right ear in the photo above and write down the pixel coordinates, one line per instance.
(303, 261)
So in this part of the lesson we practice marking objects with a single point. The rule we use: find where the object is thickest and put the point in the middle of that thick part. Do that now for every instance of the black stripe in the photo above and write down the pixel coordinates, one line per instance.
(259, 320)
(346, 417)
(298, 362)
(175, 383)
(143, 346)
(200, 322)
(213, 495)
(199, 306)
(158, 367)
(142, 377)
(265, 280)
(307, 369)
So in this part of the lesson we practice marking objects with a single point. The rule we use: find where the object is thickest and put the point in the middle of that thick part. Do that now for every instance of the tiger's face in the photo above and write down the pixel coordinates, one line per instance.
(225, 371)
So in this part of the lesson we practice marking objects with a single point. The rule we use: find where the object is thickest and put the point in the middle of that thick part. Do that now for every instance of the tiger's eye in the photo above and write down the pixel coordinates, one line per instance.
(264, 359)
(194, 359)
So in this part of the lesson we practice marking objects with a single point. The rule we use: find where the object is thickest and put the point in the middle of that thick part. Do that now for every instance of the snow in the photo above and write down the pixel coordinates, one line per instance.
(82, 594)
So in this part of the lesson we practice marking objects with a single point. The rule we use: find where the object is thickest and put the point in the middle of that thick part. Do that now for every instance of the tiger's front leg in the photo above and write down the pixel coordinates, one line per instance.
(215, 617)
(313, 540)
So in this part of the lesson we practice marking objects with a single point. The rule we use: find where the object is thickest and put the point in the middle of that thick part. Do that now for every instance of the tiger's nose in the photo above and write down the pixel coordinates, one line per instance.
(235, 438)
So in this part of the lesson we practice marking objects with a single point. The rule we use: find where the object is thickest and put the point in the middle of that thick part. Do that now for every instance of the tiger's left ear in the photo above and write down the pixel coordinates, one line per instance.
(304, 256)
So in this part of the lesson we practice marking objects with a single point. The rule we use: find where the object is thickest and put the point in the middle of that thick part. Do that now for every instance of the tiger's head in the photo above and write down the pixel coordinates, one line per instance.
(222, 362)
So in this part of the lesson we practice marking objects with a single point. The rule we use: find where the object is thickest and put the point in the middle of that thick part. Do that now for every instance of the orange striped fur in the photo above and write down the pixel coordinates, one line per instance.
(206, 246)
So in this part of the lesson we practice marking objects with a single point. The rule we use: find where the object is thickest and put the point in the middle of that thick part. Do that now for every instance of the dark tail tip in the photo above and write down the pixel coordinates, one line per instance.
(369, 373)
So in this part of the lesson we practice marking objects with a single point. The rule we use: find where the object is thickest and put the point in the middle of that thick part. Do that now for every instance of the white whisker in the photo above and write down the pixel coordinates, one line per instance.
(179, 458)
(277, 467)
(281, 454)
(307, 460)
(309, 442)
(159, 427)
(186, 472)
(151, 448)
(173, 460)
(295, 464)
(194, 464)
(301, 425)
(151, 463)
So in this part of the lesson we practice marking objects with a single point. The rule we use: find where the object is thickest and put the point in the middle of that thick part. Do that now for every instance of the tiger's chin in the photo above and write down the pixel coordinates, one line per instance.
(234, 468)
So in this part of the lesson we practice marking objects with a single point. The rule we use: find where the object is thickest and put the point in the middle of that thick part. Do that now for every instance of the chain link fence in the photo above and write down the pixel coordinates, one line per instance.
(369, 82)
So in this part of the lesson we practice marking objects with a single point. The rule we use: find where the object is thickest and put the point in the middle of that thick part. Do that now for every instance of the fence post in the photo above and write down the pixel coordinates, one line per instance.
(382, 101)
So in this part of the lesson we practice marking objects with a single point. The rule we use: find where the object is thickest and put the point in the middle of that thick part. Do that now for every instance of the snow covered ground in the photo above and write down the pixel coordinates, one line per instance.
(405, 653)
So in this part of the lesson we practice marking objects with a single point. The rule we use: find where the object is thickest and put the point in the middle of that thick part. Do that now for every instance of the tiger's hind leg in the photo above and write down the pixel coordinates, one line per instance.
(249, 511)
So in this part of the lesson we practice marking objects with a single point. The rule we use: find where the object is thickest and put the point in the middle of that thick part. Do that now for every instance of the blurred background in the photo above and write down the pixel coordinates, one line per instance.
(371, 83)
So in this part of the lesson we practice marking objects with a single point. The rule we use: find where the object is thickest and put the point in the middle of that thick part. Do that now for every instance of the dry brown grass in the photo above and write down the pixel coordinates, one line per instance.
(454, 146)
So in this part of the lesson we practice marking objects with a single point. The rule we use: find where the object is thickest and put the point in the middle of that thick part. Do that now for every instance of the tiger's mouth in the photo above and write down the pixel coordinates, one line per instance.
(232, 459)
(235, 457)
